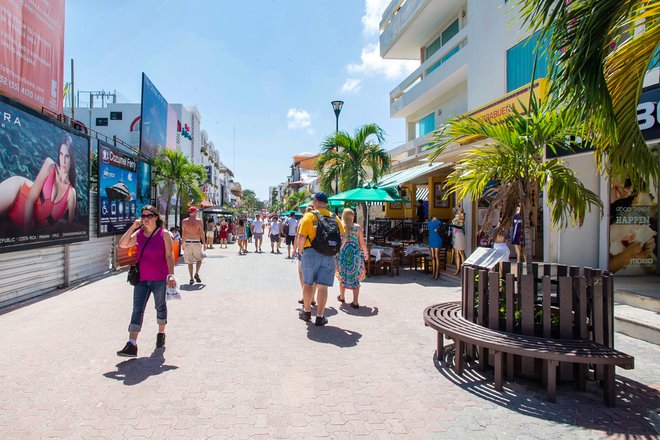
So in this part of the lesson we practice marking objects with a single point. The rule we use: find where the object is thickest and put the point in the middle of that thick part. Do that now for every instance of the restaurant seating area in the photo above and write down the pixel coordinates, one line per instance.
(393, 257)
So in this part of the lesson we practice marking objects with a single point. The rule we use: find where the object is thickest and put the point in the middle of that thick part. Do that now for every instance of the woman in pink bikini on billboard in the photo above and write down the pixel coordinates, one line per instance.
(45, 201)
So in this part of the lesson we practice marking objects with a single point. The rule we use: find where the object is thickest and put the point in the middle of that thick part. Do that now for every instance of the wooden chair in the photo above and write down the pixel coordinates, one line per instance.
(390, 264)
(370, 263)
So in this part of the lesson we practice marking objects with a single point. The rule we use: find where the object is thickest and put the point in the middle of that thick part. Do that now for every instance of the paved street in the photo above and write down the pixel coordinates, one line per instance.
(240, 364)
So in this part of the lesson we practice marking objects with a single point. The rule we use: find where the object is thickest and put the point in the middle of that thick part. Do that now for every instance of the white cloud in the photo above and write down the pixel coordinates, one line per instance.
(373, 13)
(352, 85)
(299, 119)
(373, 64)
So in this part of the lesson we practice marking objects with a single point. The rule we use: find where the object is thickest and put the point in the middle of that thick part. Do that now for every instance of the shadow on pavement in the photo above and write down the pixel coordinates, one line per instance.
(135, 371)
(362, 311)
(634, 415)
(328, 312)
(332, 335)
(412, 277)
(192, 288)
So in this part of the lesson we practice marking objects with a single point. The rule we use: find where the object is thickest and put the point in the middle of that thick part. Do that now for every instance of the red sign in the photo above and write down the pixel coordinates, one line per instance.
(32, 52)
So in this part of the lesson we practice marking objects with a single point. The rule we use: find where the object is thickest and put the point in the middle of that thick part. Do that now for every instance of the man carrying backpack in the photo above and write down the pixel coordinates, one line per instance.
(319, 241)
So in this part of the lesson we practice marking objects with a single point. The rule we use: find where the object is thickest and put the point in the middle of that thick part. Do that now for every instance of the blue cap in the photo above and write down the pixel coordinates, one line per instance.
(321, 197)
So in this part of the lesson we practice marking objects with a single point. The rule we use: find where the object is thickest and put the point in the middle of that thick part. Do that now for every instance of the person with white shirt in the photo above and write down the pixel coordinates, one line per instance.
(274, 232)
(258, 231)
(292, 228)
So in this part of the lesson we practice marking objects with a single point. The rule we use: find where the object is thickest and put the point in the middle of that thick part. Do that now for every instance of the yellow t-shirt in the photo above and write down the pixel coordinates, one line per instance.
(309, 223)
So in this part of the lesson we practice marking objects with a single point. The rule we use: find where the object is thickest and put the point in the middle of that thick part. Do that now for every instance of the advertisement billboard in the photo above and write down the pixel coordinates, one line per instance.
(117, 190)
(633, 229)
(44, 180)
(153, 131)
(32, 52)
(143, 184)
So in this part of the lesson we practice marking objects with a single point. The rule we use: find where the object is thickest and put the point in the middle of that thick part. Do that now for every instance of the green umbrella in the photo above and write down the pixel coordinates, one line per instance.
(331, 204)
(369, 194)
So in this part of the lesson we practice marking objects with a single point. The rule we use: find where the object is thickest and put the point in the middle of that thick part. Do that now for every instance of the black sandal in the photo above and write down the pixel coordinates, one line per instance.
(340, 299)
(355, 306)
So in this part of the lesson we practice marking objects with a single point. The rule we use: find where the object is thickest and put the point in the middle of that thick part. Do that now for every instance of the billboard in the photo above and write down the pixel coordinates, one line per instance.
(153, 131)
(44, 180)
(143, 185)
(117, 190)
(32, 52)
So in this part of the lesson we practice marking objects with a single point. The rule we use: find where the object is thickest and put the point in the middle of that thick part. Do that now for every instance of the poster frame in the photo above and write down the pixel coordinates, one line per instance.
(101, 144)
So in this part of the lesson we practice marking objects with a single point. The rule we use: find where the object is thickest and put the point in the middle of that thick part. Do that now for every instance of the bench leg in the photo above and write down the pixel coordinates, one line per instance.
(510, 366)
(483, 358)
(458, 358)
(552, 381)
(609, 385)
(499, 366)
(440, 350)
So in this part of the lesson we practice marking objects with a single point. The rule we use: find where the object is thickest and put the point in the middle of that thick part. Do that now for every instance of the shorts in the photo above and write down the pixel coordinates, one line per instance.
(209, 234)
(317, 268)
(274, 237)
(258, 235)
(502, 247)
(290, 239)
(192, 253)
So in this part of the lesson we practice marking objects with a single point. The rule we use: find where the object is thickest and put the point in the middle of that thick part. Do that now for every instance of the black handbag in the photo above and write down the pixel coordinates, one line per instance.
(133, 277)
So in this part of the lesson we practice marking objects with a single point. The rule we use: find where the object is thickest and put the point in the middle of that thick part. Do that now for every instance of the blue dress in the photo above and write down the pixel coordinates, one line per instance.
(434, 237)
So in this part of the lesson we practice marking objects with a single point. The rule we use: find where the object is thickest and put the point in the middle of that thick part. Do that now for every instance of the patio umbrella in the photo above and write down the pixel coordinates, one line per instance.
(367, 194)
(331, 204)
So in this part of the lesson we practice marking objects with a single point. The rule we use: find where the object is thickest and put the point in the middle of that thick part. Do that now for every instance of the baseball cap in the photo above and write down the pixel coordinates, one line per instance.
(321, 197)
(192, 209)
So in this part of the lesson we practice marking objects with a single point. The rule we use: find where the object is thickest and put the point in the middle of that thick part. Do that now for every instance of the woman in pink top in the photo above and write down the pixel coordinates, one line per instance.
(156, 263)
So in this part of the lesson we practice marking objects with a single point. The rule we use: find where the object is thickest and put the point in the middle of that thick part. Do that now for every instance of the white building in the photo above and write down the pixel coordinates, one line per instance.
(475, 59)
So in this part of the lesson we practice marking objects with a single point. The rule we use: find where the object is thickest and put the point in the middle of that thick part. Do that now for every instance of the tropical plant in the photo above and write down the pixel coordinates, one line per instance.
(177, 173)
(513, 156)
(351, 159)
(599, 53)
(298, 198)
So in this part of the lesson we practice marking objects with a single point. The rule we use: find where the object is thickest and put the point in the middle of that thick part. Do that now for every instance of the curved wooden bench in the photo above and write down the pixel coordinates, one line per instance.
(446, 319)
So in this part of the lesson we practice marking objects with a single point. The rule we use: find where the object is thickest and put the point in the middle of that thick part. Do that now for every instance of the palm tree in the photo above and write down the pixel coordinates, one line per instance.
(513, 157)
(357, 156)
(297, 199)
(599, 53)
(175, 170)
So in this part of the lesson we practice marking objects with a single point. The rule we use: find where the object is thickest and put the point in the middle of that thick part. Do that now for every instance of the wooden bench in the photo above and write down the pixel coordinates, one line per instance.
(447, 320)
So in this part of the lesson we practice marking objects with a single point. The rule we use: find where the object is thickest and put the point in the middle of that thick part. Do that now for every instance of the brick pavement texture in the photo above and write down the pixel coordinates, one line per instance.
(240, 364)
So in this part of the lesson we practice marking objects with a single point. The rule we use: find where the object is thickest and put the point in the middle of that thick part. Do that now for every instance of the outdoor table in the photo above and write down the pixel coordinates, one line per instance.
(417, 248)
(378, 252)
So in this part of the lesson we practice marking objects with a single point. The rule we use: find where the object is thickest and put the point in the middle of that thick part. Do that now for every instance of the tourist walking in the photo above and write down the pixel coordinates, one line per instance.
(241, 235)
(192, 235)
(224, 232)
(319, 241)
(291, 231)
(274, 233)
(210, 233)
(298, 256)
(156, 267)
(350, 259)
(258, 231)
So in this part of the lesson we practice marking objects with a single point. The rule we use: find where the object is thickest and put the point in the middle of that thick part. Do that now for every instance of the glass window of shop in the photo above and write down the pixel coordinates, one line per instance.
(520, 62)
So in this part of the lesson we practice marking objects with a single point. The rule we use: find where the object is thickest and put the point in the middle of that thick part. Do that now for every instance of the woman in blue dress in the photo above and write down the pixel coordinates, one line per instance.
(435, 243)
(350, 259)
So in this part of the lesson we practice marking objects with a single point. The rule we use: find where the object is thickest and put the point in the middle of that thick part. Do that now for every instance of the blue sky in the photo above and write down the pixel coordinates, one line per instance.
(269, 68)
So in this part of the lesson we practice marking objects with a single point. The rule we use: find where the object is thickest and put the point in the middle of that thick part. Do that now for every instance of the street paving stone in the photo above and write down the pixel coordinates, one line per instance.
(240, 364)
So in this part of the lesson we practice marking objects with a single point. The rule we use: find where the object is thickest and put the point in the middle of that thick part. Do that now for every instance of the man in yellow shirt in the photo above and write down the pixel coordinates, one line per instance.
(317, 268)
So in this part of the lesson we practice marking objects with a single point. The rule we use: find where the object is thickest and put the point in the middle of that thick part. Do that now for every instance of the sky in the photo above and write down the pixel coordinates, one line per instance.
(265, 70)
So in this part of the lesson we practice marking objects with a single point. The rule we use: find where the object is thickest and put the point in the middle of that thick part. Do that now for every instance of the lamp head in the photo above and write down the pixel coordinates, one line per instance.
(336, 106)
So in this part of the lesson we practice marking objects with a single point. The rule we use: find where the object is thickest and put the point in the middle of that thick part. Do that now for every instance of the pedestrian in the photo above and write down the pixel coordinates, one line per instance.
(319, 241)
(248, 233)
(224, 231)
(458, 225)
(210, 232)
(193, 243)
(274, 233)
(241, 237)
(176, 238)
(258, 231)
(291, 230)
(156, 265)
(350, 259)
(299, 258)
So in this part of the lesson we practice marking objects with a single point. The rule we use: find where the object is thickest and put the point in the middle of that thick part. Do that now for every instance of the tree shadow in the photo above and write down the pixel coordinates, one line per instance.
(329, 334)
(135, 371)
(362, 311)
(634, 415)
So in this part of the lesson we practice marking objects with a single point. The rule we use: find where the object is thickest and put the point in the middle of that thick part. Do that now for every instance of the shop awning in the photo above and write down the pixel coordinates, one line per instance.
(404, 176)
(422, 193)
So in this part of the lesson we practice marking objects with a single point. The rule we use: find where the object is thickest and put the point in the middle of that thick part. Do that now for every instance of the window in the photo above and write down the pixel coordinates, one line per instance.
(116, 116)
(520, 62)
(426, 125)
(101, 122)
(446, 35)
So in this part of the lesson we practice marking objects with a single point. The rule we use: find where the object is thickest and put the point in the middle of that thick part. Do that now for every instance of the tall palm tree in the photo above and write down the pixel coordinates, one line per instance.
(599, 53)
(175, 170)
(358, 156)
(513, 157)
(298, 198)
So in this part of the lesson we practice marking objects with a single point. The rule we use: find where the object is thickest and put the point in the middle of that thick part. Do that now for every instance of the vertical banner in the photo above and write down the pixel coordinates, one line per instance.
(32, 52)
(153, 131)
(633, 229)
(117, 190)
(143, 185)
(44, 180)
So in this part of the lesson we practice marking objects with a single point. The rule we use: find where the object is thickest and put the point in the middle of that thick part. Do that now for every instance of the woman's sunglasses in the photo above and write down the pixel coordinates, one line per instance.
(149, 216)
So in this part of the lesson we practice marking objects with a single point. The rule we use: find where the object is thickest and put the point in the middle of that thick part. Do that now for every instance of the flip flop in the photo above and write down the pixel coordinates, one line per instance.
(340, 299)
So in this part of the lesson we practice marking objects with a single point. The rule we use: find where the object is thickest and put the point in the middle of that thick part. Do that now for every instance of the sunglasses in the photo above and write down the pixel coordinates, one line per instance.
(149, 216)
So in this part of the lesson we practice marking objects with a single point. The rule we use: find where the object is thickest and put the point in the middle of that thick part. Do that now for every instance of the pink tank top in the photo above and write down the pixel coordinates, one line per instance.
(153, 265)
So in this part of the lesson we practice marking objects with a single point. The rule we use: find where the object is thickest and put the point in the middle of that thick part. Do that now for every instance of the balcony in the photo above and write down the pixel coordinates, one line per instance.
(444, 70)
(408, 25)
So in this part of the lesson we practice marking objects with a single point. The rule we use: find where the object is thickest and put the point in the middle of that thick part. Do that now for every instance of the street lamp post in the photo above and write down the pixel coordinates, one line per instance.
(336, 106)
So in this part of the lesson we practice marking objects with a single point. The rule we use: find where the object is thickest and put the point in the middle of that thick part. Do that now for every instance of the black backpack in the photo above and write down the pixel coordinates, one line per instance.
(328, 237)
